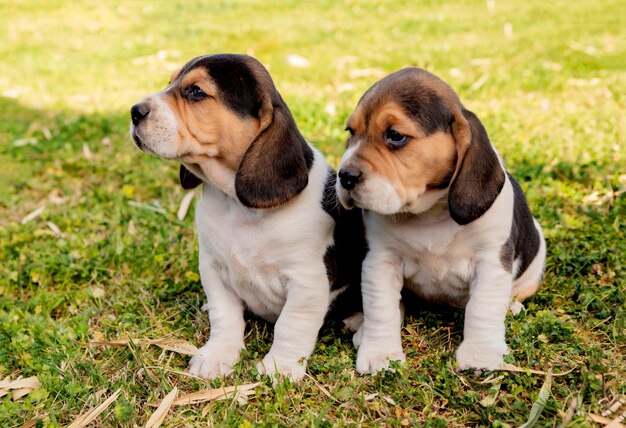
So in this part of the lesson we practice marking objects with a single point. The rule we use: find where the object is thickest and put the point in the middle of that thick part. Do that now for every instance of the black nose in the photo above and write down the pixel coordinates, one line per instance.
(138, 112)
(349, 178)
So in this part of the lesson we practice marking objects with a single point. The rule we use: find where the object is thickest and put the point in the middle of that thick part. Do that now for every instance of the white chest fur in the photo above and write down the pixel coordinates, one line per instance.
(439, 258)
(257, 253)
(436, 256)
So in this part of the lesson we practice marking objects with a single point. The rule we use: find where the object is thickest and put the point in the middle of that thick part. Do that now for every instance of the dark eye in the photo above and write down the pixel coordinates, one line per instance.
(394, 139)
(196, 94)
(350, 130)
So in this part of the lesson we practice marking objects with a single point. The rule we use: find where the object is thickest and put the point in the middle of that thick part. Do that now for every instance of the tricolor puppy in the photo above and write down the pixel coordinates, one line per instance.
(272, 237)
(442, 216)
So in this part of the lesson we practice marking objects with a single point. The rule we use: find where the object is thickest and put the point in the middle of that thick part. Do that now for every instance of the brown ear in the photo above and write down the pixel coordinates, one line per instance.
(187, 179)
(479, 177)
(275, 168)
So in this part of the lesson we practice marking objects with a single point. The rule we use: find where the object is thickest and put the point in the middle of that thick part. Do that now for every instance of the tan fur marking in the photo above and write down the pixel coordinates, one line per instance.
(356, 121)
(522, 293)
(425, 160)
(199, 77)
(207, 128)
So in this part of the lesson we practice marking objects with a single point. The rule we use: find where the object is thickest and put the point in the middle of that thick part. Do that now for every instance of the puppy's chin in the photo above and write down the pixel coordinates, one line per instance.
(147, 148)
(378, 195)
(345, 199)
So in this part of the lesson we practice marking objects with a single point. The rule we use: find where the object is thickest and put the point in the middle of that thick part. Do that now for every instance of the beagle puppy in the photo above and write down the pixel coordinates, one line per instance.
(443, 218)
(272, 237)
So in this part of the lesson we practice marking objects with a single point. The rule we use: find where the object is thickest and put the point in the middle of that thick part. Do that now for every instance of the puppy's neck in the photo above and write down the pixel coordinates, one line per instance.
(215, 174)
(430, 207)
(431, 201)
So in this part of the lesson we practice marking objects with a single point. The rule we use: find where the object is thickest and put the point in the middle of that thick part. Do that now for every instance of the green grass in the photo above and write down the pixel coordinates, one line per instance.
(550, 93)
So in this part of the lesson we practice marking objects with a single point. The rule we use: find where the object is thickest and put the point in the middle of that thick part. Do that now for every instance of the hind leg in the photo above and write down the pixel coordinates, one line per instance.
(528, 284)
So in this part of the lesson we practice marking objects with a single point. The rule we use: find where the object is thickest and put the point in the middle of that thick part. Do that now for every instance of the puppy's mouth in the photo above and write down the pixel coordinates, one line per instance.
(346, 199)
(139, 142)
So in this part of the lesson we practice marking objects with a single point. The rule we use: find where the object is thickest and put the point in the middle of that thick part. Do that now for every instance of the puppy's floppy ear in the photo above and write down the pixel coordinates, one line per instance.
(275, 168)
(479, 177)
(187, 179)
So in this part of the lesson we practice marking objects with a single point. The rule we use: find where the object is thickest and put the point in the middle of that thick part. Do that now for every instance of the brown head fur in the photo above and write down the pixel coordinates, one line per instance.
(411, 130)
(223, 119)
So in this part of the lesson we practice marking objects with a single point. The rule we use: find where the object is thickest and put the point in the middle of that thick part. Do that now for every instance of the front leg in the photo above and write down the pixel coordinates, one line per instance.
(225, 342)
(484, 342)
(299, 323)
(378, 339)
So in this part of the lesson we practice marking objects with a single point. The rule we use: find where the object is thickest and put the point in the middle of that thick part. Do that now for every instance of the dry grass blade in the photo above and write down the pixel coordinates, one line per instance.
(152, 317)
(612, 423)
(569, 415)
(20, 387)
(84, 419)
(29, 382)
(494, 391)
(32, 215)
(54, 228)
(29, 423)
(321, 388)
(32, 422)
(4, 383)
(240, 396)
(184, 206)
(511, 368)
(175, 345)
(21, 393)
(214, 394)
(540, 403)
(177, 372)
(616, 423)
(159, 414)
(116, 342)
(616, 411)
(87, 152)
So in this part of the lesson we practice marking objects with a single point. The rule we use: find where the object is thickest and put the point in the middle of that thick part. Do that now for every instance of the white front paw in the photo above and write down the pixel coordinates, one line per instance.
(474, 354)
(212, 361)
(272, 365)
(373, 357)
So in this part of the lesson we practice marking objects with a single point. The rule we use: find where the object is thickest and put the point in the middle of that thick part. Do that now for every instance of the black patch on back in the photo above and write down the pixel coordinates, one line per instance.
(523, 243)
(344, 258)
(236, 84)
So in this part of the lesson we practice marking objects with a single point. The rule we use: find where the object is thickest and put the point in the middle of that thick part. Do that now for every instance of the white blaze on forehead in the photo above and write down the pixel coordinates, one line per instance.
(349, 153)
